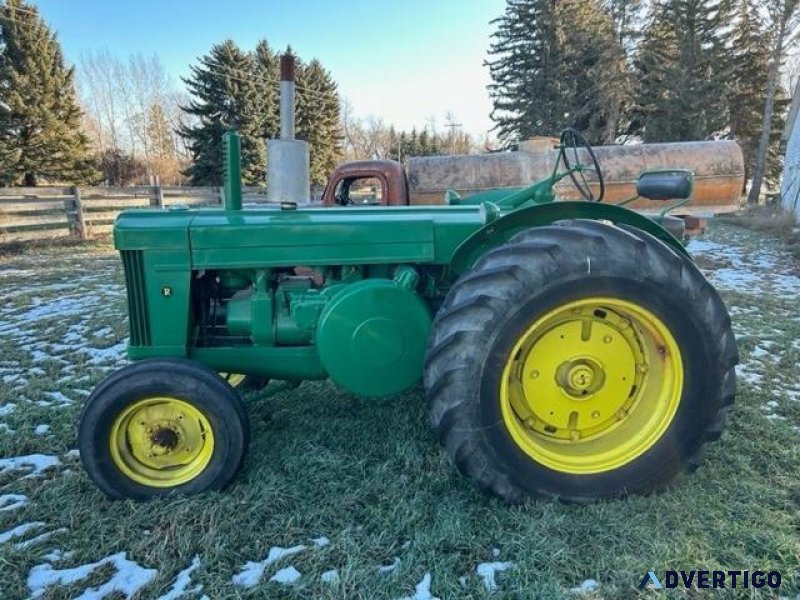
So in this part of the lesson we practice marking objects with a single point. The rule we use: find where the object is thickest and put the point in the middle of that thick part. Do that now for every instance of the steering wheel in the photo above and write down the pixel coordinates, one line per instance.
(572, 141)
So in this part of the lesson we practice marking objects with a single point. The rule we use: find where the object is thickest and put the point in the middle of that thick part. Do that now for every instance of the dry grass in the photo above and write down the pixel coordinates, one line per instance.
(22, 247)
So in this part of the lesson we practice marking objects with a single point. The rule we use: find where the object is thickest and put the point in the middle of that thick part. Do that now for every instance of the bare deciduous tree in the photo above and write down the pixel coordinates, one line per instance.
(783, 20)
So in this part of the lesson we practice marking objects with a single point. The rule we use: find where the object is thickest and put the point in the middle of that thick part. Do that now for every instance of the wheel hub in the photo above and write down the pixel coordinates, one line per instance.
(580, 377)
(161, 442)
(591, 383)
(164, 439)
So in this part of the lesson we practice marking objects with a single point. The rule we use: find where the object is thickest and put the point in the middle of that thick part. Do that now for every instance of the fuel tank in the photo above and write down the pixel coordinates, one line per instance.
(718, 167)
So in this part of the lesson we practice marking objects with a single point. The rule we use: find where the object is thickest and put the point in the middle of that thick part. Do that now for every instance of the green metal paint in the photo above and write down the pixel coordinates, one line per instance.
(371, 338)
(233, 170)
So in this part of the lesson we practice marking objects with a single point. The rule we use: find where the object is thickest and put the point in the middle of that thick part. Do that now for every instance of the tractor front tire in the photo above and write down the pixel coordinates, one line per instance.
(581, 361)
(162, 426)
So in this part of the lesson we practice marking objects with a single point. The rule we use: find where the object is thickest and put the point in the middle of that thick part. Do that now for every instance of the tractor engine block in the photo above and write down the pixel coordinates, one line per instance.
(369, 333)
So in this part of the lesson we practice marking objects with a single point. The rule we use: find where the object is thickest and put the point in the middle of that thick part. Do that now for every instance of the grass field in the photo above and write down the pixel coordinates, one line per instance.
(362, 484)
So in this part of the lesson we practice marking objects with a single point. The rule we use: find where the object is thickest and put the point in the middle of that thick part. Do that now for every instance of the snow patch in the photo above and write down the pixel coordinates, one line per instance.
(286, 576)
(60, 398)
(57, 554)
(128, 579)
(384, 569)
(320, 541)
(182, 581)
(42, 537)
(588, 586)
(41, 429)
(9, 502)
(251, 573)
(423, 590)
(38, 463)
(486, 571)
(19, 531)
(7, 409)
(331, 576)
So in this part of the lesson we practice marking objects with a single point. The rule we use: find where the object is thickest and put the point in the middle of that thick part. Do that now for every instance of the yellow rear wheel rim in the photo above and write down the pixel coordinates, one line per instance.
(591, 385)
(161, 442)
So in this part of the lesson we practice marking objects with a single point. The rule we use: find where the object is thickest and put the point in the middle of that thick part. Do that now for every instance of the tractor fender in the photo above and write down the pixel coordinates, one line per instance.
(502, 229)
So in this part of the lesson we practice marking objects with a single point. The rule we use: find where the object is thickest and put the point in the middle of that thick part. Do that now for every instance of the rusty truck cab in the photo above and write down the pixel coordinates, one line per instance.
(367, 182)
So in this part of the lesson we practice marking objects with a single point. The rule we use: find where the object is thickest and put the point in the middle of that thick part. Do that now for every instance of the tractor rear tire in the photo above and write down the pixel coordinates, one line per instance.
(160, 427)
(580, 361)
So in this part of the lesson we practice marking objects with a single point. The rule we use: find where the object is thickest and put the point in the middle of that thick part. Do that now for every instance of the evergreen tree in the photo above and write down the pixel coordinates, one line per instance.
(555, 64)
(681, 69)
(267, 72)
(523, 69)
(40, 120)
(318, 118)
(627, 17)
(225, 96)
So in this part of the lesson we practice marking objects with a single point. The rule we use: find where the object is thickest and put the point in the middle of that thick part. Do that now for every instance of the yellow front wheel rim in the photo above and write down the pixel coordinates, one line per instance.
(233, 379)
(591, 385)
(161, 442)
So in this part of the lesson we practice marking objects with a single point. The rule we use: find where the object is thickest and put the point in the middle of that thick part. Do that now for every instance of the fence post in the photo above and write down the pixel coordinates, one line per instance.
(77, 219)
(157, 199)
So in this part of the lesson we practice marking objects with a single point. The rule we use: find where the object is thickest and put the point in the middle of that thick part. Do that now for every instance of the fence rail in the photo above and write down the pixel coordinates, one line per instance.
(43, 212)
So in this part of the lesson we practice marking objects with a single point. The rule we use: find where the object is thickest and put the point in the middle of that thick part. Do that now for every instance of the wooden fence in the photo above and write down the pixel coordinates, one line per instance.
(42, 212)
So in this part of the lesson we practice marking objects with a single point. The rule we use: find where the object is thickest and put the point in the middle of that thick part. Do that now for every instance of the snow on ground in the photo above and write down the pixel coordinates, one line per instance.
(127, 579)
(37, 463)
(183, 581)
(19, 531)
(588, 586)
(286, 576)
(251, 573)
(423, 590)
(9, 502)
(760, 282)
(486, 571)
(331, 576)
(384, 569)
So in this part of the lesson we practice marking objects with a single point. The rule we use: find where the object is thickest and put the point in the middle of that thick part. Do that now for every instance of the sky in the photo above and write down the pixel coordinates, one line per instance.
(405, 62)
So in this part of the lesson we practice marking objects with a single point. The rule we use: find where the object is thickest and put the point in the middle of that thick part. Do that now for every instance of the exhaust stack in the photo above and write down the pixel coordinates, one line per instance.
(288, 179)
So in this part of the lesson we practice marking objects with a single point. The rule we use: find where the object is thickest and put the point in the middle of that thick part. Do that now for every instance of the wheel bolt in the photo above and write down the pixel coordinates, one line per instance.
(575, 435)
(534, 374)
(622, 413)
(596, 414)
(642, 368)
(607, 339)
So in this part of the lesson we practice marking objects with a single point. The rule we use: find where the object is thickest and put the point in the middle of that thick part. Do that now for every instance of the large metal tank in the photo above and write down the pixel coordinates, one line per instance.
(718, 167)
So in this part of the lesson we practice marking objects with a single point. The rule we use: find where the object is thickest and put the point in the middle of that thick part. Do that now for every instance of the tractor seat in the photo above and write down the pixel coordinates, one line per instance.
(665, 185)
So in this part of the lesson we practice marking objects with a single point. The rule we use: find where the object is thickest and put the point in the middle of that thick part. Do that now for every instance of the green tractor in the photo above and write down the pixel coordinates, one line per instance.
(566, 349)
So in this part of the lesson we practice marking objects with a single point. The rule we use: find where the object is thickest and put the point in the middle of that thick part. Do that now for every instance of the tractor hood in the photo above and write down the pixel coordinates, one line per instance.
(312, 236)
